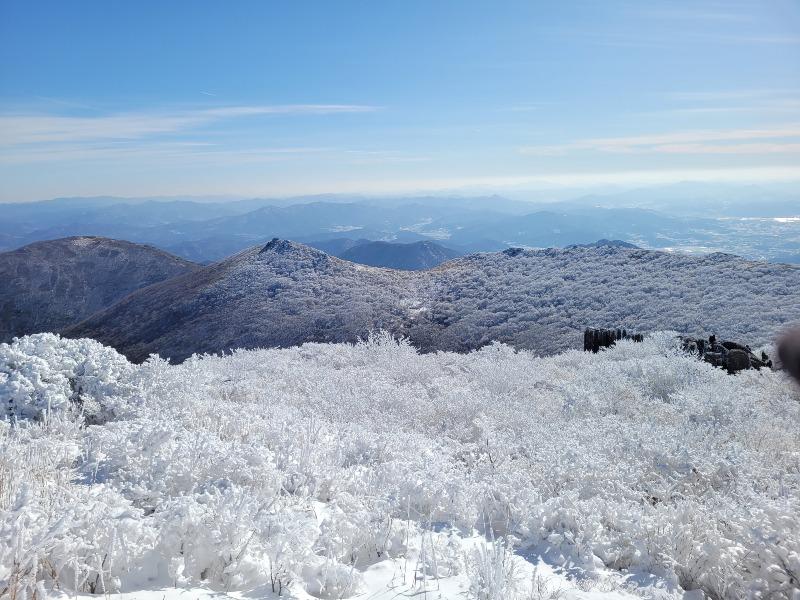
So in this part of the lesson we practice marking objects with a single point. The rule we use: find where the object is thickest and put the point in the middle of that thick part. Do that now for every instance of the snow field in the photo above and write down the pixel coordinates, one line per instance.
(369, 470)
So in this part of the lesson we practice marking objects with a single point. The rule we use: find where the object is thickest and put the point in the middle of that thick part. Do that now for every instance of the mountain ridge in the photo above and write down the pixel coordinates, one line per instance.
(284, 293)
(51, 284)
(207, 231)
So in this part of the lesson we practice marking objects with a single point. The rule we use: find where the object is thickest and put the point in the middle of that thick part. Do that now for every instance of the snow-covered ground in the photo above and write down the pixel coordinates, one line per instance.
(410, 577)
(370, 471)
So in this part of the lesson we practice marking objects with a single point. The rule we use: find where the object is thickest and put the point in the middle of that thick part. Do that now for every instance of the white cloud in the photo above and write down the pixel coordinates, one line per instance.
(755, 148)
(173, 152)
(715, 95)
(688, 14)
(672, 142)
(16, 129)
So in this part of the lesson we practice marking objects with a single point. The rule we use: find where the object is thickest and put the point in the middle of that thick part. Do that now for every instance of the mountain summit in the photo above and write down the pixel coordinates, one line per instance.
(278, 294)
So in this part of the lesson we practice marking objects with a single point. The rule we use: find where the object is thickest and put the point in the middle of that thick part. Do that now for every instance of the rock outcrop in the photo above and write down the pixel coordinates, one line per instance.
(731, 356)
(594, 339)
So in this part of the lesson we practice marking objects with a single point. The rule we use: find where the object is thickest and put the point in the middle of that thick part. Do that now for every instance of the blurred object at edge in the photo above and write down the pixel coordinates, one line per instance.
(789, 352)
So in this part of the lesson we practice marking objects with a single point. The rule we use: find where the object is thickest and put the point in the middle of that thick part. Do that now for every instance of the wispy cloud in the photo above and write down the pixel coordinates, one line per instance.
(720, 102)
(524, 107)
(493, 183)
(16, 129)
(755, 148)
(689, 14)
(164, 152)
(745, 94)
(787, 107)
(688, 142)
(681, 39)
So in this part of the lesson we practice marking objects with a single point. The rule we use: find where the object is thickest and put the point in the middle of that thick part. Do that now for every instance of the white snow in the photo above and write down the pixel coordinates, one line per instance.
(370, 471)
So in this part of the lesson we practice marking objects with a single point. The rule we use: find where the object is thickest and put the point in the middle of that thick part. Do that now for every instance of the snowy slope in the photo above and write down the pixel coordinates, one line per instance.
(285, 293)
(371, 471)
(281, 294)
(49, 285)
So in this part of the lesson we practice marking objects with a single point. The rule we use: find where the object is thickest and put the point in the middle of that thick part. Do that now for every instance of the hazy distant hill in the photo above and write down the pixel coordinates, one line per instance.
(285, 293)
(49, 285)
(336, 246)
(410, 257)
(606, 244)
(706, 199)
(206, 231)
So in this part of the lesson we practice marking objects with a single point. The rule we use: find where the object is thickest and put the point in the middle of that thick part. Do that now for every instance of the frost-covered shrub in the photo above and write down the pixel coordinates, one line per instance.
(492, 573)
(299, 470)
(224, 535)
(326, 578)
(55, 531)
(43, 373)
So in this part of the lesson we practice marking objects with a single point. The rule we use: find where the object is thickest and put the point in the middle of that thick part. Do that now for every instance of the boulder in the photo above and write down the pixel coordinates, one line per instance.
(737, 360)
(728, 355)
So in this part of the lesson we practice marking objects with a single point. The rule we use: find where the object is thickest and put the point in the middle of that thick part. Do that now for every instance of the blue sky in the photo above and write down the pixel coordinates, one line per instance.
(278, 98)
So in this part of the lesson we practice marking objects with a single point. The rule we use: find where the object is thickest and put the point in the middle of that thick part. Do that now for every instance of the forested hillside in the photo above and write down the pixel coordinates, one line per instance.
(49, 285)
(285, 293)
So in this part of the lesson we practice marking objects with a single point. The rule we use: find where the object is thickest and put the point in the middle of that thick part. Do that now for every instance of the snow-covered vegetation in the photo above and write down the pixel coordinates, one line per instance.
(285, 294)
(329, 470)
(49, 285)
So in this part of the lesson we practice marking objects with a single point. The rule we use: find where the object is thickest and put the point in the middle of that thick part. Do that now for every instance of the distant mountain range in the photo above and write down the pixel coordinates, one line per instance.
(767, 228)
(49, 285)
(704, 199)
(284, 293)
(413, 256)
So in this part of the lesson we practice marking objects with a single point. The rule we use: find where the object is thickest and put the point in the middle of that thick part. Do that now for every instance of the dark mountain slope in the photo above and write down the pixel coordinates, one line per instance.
(606, 244)
(286, 293)
(409, 257)
(49, 285)
(336, 246)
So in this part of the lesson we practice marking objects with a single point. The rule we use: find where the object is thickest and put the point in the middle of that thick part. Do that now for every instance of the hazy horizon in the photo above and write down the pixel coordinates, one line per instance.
(542, 194)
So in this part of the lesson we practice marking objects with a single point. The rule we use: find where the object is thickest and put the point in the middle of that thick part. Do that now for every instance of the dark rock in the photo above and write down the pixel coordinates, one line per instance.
(728, 355)
(594, 339)
(738, 360)
(734, 346)
(270, 245)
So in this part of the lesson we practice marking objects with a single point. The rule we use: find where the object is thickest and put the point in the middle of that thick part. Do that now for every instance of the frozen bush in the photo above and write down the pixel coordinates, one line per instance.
(297, 470)
(43, 373)
(492, 573)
